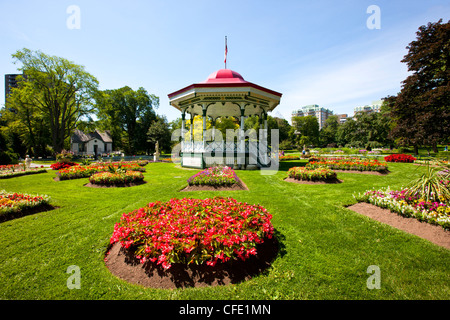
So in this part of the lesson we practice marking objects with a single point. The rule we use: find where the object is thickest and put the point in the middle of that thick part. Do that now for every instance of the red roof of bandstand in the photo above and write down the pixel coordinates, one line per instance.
(224, 78)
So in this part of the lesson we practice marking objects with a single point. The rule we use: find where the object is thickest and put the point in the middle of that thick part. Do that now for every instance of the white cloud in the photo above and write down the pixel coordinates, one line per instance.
(343, 86)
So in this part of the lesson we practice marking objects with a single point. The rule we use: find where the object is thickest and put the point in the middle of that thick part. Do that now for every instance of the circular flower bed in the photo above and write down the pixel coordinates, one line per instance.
(188, 231)
(214, 176)
(116, 178)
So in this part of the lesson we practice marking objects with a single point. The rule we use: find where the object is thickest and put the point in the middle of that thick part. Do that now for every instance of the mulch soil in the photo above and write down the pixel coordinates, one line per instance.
(121, 185)
(236, 186)
(22, 213)
(333, 181)
(378, 173)
(125, 266)
(430, 232)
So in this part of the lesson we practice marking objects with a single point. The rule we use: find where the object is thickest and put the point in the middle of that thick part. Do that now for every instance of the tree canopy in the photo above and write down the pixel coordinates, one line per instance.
(128, 114)
(421, 110)
(53, 94)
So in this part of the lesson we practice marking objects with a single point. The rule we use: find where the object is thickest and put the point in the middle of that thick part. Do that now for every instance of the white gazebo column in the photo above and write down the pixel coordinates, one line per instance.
(204, 125)
(242, 137)
(183, 124)
(191, 129)
(213, 134)
(265, 122)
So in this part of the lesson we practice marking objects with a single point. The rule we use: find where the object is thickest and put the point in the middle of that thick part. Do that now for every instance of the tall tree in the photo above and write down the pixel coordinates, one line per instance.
(128, 114)
(346, 134)
(306, 130)
(421, 110)
(159, 131)
(55, 89)
(27, 122)
(327, 135)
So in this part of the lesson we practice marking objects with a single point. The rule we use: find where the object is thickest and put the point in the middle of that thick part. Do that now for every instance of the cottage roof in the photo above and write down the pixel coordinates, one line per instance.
(79, 136)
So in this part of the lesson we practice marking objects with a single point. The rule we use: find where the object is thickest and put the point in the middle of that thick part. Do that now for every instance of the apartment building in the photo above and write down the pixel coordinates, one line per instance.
(320, 113)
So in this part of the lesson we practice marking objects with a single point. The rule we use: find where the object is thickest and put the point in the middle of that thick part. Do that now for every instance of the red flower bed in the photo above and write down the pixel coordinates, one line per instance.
(399, 158)
(193, 231)
(62, 165)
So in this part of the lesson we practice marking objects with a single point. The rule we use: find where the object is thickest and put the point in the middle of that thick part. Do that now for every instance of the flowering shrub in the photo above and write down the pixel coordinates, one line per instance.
(15, 170)
(62, 165)
(305, 173)
(15, 202)
(142, 163)
(111, 178)
(214, 176)
(288, 157)
(399, 201)
(76, 172)
(64, 156)
(334, 158)
(10, 167)
(349, 164)
(193, 231)
(399, 158)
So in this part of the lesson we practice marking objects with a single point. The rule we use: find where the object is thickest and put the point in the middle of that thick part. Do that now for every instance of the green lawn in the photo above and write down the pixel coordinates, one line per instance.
(326, 248)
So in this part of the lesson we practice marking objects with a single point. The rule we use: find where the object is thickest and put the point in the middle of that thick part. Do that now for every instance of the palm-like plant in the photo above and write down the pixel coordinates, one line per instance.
(432, 185)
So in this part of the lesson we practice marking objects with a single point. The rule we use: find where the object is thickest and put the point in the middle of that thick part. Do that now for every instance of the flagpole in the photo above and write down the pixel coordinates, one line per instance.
(226, 51)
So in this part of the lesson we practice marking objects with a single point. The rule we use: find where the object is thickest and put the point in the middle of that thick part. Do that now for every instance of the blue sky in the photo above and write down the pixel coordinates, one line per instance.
(313, 52)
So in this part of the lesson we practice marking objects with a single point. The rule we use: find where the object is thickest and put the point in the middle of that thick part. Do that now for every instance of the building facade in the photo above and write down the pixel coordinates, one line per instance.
(374, 107)
(342, 117)
(320, 113)
(10, 82)
(93, 143)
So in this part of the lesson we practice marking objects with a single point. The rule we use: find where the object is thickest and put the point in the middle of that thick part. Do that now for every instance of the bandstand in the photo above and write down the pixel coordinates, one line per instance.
(225, 93)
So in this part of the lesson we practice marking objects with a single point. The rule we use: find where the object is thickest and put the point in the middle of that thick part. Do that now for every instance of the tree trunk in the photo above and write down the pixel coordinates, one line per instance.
(435, 149)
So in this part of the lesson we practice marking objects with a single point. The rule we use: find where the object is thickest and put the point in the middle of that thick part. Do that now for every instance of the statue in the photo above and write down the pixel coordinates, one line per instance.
(156, 154)
(27, 162)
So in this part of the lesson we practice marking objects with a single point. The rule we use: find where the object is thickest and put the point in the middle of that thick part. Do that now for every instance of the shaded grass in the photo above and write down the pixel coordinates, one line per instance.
(326, 248)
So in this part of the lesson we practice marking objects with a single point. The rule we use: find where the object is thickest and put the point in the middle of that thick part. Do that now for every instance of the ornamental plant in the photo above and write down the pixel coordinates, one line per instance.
(62, 165)
(191, 231)
(433, 185)
(214, 176)
(16, 202)
(310, 174)
(409, 205)
(64, 156)
(11, 167)
(76, 172)
(16, 170)
(349, 164)
(119, 177)
(400, 158)
(288, 157)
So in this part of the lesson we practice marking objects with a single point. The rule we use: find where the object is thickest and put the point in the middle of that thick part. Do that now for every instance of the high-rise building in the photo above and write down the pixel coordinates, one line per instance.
(342, 117)
(10, 82)
(313, 110)
(374, 107)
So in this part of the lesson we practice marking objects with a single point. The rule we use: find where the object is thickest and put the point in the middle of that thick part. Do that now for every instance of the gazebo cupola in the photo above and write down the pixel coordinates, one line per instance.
(224, 93)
